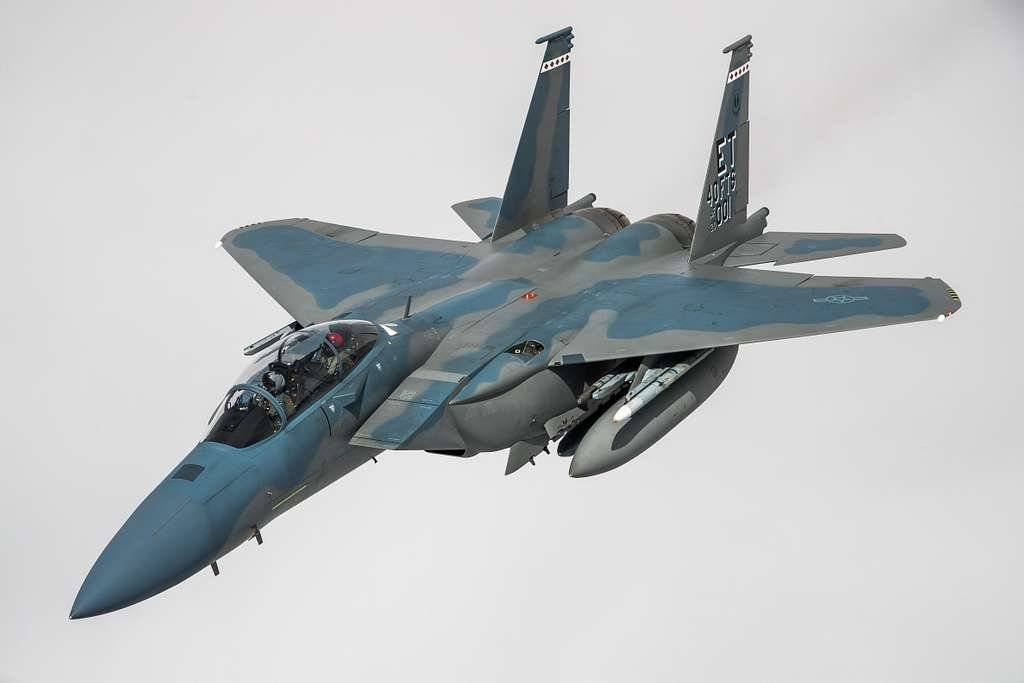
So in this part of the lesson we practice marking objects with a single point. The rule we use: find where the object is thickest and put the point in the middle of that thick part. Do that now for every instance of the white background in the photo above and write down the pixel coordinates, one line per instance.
(845, 508)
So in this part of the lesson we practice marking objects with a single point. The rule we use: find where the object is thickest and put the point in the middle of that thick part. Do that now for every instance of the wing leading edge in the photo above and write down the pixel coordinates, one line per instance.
(317, 271)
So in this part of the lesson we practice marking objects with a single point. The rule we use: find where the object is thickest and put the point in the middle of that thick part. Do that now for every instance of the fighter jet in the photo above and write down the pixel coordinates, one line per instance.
(558, 322)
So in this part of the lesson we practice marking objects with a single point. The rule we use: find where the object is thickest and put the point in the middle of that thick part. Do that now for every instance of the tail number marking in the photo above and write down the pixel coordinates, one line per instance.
(722, 188)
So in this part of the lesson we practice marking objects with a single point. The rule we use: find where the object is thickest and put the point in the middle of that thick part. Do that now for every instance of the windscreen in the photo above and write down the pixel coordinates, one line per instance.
(287, 378)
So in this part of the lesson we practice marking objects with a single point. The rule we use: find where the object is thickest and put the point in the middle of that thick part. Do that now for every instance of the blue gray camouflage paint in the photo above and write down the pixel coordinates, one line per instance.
(498, 342)
(811, 246)
(793, 247)
(538, 182)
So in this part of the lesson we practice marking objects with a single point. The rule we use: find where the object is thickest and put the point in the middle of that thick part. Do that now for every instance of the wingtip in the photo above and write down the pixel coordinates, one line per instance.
(228, 238)
(952, 303)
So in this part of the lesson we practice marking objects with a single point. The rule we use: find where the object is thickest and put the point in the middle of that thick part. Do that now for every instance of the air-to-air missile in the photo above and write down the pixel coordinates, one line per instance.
(655, 381)
(631, 425)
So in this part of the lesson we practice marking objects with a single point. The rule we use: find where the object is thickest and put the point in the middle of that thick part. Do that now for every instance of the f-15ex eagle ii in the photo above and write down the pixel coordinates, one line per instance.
(561, 322)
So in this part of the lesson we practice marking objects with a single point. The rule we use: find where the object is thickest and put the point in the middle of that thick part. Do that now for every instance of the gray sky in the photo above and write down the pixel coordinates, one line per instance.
(845, 508)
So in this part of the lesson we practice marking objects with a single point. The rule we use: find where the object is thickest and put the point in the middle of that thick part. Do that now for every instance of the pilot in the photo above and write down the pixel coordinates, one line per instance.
(275, 383)
(337, 339)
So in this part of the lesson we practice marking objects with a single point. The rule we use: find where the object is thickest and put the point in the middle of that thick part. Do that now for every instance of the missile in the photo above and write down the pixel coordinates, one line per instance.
(608, 384)
(607, 444)
(653, 383)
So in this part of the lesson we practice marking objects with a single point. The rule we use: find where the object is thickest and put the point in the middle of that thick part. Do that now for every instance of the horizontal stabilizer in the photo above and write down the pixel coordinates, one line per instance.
(781, 248)
(479, 214)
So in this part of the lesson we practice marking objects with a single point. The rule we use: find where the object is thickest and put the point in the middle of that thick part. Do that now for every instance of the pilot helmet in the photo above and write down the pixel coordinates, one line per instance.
(337, 339)
(274, 381)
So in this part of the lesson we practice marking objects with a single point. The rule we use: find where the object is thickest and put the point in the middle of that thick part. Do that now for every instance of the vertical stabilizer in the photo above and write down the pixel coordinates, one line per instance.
(539, 180)
(723, 204)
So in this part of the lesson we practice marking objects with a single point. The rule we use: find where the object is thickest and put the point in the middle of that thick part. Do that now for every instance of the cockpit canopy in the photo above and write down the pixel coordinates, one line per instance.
(288, 377)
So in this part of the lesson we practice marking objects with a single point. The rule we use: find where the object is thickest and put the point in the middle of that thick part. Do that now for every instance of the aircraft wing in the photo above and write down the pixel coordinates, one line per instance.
(712, 306)
(635, 314)
(793, 247)
(317, 271)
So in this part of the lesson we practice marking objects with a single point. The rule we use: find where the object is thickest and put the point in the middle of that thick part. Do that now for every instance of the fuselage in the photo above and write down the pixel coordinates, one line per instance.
(220, 496)
(564, 323)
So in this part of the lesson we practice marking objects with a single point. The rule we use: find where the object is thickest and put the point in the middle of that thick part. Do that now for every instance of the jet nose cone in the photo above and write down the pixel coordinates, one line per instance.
(166, 540)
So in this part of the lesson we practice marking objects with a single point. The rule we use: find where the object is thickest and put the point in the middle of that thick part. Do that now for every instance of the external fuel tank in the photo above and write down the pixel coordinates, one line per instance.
(608, 444)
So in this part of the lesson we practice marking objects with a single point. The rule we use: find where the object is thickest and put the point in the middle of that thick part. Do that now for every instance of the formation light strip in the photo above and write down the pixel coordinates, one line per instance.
(554, 63)
(737, 72)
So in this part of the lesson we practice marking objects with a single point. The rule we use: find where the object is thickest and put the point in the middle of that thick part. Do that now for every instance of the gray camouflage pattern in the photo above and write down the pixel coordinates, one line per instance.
(501, 342)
